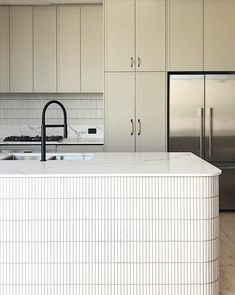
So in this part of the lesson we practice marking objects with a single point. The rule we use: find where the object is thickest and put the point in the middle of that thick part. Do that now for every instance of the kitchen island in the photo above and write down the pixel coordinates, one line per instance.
(109, 223)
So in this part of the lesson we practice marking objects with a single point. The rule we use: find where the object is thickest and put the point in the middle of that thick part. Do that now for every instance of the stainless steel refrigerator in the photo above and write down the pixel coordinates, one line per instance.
(202, 120)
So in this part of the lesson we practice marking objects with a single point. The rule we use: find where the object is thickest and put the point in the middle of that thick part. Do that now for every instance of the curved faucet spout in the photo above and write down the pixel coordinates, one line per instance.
(44, 126)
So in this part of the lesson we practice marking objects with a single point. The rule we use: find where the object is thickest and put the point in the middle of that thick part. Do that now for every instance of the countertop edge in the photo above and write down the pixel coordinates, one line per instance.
(109, 175)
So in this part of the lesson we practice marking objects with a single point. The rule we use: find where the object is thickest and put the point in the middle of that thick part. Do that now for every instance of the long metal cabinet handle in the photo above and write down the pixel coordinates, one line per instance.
(201, 131)
(139, 62)
(140, 127)
(210, 131)
(132, 127)
(132, 62)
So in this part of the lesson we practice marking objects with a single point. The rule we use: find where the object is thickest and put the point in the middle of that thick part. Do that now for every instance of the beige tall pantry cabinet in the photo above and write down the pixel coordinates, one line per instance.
(135, 111)
(134, 75)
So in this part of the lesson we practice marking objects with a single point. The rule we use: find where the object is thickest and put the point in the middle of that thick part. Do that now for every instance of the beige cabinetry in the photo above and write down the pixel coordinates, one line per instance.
(219, 37)
(135, 112)
(150, 35)
(51, 48)
(92, 68)
(68, 48)
(185, 35)
(44, 49)
(134, 35)
(119, 35)
(4, 49)
(21, 49)
(120, 112)
(150, 112)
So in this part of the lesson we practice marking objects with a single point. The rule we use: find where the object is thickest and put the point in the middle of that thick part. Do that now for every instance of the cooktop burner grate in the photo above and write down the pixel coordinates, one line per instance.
(37, 138)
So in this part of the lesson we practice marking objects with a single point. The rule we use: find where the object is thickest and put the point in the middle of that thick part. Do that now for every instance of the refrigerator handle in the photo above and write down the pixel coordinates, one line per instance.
(210, 132)
(201, 131)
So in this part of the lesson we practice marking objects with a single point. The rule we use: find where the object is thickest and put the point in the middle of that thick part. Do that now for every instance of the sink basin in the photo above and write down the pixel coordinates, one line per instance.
(22, 157)
(77, 157)
(37, 157)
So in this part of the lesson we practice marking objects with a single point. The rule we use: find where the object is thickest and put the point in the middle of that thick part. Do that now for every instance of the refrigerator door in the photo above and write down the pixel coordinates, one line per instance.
(220, 118)
(227, 186)
(186, 113)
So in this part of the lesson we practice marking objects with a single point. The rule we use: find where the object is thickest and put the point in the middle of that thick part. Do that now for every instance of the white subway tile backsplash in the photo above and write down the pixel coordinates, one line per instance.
(21, 113)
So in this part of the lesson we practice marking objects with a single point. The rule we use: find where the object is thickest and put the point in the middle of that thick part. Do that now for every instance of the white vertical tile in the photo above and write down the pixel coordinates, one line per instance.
(109, 236)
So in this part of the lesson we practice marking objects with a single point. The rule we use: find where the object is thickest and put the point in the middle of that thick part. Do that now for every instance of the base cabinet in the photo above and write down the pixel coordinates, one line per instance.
(135, 112)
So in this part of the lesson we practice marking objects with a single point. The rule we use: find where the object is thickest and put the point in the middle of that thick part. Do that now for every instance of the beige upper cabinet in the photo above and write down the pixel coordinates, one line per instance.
(219, 38)
(150, 112)
(21, 49)
(134, 35)
(150, 35)
(119, 35)
(92, 69)
(185, 25)
(44, 49)
(4, 49)
(68, 48)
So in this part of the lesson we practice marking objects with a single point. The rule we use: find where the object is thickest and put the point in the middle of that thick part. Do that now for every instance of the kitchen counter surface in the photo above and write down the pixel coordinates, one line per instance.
(65, 141)
(114, 164)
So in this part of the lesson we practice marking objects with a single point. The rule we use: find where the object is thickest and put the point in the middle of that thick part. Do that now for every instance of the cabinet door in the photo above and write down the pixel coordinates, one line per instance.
(92, 49)
(120, 100)
(119, 35)
(150, 35)
(44, 49)
(185, 24)
(4, 49)
(219, 35)
(150, 112)
(68, 48)
(21, 49)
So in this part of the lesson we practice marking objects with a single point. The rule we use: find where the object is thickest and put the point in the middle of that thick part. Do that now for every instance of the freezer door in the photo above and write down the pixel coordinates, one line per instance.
(220, 118)
(186, 113)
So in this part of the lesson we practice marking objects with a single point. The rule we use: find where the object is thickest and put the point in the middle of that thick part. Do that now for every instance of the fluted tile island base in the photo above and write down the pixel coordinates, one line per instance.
(116, 224)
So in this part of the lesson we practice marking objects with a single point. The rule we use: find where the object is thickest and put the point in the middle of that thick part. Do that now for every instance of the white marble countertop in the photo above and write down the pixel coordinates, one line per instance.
(113, 164)
(65, 141)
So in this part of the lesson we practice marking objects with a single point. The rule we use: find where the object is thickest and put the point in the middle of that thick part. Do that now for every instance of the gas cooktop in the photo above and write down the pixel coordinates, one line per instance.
(37, 138)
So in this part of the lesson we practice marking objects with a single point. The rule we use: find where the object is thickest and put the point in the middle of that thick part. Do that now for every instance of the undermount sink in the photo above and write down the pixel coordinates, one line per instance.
(37, 157)
(78, 157)
(22, 157)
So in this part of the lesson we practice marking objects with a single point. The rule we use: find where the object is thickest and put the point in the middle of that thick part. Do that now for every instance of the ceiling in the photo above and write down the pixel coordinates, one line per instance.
(42, 2)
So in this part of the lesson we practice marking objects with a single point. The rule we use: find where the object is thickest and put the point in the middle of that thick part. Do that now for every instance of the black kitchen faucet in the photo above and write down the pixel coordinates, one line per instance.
(44, 126)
